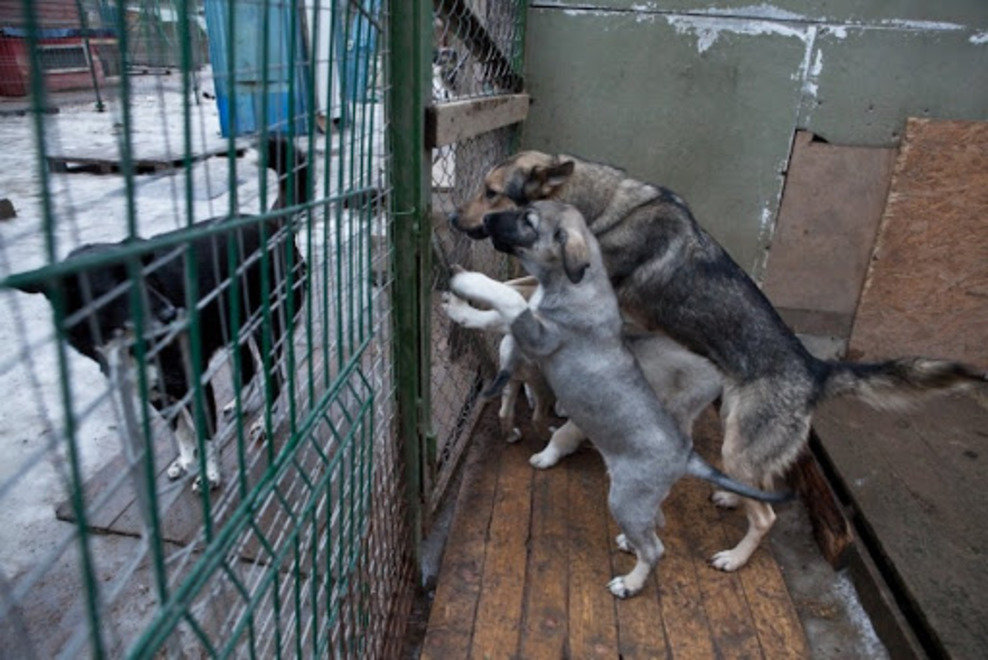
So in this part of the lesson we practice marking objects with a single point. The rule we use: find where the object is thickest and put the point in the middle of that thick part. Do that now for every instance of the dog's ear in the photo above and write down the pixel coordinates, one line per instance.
(545, 180)
(576, 254)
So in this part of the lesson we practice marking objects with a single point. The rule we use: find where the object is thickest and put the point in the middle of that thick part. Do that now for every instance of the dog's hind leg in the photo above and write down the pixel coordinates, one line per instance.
(753, 452)
(564, 441)
(185, 437)
(506, 413)
(637, 517)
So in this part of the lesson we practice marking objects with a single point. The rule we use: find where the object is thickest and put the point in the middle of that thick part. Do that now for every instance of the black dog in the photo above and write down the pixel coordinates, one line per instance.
(236, 271)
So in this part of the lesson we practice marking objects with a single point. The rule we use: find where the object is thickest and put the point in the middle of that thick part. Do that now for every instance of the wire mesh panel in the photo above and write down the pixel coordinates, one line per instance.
(477, 53)
(196, 447)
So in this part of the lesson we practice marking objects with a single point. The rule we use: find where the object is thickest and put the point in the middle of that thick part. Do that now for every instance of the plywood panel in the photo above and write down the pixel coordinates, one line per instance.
(917, 482)
(927, 289)
(831, 206)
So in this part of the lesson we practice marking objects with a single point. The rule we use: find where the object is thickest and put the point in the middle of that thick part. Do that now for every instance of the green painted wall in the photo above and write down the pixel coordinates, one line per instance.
(706, 99)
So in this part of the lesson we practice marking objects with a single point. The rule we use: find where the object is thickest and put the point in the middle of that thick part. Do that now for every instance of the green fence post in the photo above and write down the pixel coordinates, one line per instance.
(410, 62)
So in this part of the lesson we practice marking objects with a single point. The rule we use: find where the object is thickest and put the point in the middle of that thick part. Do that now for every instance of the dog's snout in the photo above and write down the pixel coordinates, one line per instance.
(454, 219)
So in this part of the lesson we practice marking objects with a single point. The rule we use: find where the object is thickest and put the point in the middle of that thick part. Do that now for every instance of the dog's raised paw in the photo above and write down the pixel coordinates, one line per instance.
(619, 589)
(728, 561)
(725, 499)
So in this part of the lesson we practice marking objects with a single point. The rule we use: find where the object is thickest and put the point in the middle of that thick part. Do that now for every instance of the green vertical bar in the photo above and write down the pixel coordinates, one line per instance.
(410, 66)
(58, 305)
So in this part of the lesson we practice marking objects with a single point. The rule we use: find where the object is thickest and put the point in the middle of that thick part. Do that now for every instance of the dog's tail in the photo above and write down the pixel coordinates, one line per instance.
(698, 467)
(898, 383)
(292, 167)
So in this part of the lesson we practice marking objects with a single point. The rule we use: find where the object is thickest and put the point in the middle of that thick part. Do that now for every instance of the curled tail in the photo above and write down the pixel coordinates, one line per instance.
(898, 383)
(698, 467)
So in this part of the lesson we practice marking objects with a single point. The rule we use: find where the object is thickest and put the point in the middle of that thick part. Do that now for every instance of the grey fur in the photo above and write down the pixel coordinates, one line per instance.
(573, 332)
(669, 274)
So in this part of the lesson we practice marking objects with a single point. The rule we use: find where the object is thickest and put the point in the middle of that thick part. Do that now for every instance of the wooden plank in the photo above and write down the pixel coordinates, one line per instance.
(498, 622)
(828, 217)
(544, 630)
(451, 122)
(917, 486)
(770, 609)
(681, 601)
(780, 632)
(141, 165)
(459, 584)
(724, 598)
(879, 602)
(926, 288)
(831, 529)
(639, 619)
(592, 622)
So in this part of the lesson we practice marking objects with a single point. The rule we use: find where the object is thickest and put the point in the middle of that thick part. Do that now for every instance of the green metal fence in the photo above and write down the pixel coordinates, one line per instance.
(304, 547)
(163, 286)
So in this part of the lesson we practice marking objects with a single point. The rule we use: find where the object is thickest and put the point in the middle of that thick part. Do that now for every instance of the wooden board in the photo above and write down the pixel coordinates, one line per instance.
(828, 217)
(530, 554)
(143, 164)
(918, 486)
(926, 292)
(451, 122)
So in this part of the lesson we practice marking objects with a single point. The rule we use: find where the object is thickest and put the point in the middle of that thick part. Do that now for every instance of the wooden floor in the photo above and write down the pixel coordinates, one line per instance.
(917, 487)
(530, 552)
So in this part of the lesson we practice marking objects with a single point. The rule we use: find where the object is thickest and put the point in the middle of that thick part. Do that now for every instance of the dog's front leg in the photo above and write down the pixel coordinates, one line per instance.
(477, 287)
(466, 315)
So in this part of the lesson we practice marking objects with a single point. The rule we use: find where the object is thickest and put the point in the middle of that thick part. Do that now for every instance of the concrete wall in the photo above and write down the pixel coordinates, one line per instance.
(705, 97)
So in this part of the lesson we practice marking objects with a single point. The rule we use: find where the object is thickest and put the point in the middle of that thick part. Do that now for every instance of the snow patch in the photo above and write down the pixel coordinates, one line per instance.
(764, 10)
(708, 29)
(979, 38)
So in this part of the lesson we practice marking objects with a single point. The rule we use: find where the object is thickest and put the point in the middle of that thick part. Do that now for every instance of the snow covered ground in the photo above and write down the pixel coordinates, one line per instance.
(40, 589)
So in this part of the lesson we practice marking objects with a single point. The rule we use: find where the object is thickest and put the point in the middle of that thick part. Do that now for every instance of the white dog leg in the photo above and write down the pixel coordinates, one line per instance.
(564, 441)
(466, 315)
(478, 287)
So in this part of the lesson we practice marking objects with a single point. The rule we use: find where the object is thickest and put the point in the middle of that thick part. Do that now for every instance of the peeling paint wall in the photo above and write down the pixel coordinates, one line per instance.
(705, 97)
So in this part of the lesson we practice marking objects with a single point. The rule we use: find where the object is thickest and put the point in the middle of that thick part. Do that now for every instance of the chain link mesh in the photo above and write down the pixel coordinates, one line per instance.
(477, 53)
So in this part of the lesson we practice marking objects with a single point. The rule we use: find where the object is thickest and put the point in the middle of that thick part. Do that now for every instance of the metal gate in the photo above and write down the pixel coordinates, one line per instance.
(471, 71)
(257, 293)
(203, 267)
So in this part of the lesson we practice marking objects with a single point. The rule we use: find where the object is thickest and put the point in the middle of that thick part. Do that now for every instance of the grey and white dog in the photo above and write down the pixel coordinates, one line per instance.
(670, 275)
(573, 332)
(684, 382)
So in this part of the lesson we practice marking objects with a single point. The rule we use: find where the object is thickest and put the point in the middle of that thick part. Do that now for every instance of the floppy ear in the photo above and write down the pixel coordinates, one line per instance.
(576, 254)
(547, 179)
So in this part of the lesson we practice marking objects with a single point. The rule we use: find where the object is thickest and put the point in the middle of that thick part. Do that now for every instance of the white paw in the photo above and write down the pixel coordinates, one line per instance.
(728, 560)
(177, 468)
(545, 458)
(623, 545)
(455, 308)
(256, 432)
(725, 499)
(514, 435)
(619, 588)
(214, 482)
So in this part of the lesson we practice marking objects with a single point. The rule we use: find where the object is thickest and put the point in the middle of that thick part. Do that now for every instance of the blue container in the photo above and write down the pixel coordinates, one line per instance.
(254, 88)
(356, 43)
